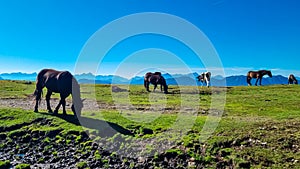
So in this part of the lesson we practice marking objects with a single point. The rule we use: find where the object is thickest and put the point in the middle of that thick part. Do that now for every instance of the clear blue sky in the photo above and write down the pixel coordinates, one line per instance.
(247, 34)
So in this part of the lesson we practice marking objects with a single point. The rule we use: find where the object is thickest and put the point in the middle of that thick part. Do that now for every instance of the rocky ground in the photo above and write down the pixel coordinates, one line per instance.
(55, 149)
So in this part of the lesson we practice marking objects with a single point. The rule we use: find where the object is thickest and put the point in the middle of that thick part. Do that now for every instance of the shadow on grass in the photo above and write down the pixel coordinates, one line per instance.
(103, 128)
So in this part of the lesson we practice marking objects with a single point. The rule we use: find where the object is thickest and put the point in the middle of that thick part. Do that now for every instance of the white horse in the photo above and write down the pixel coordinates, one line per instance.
(204, 77)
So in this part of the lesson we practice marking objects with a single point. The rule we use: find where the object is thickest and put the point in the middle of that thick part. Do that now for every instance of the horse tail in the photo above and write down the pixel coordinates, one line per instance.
(38, 93)
(249, 75)
(249, 78)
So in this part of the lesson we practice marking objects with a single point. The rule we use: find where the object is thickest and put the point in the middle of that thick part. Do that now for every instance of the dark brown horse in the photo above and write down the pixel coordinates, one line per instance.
(155, 79)
(258, 75)
(61, 82)
(292, 79)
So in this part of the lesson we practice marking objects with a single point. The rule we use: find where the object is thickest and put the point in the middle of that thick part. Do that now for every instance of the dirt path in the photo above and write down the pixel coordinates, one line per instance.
(89, 105)
(28, 104)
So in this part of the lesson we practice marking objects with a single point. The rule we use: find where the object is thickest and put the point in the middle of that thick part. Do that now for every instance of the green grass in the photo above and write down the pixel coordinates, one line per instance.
(23, 166)
(259, 128)
(4, 164)
(24, 121)
(15, 89)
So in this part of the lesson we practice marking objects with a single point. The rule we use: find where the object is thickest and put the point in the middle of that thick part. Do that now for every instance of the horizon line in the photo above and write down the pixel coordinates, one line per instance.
(172, 74)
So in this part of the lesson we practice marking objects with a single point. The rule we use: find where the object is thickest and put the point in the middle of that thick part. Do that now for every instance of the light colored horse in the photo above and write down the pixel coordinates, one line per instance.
(204, 77)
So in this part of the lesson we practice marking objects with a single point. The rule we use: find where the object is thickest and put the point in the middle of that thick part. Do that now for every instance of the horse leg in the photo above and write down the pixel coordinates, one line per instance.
(161, 87)
(260, 79)
(256, 81)
(57, 107)
(249, 81)
(207, 83)
(37, 94)
(48, 95)
(155, 86)
(63, 102)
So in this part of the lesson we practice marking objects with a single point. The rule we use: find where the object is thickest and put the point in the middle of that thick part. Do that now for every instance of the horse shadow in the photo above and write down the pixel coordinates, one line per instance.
(103, 128)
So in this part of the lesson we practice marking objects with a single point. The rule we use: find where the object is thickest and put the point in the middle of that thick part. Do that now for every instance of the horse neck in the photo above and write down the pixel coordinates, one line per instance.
(163, 82)
(264, 72)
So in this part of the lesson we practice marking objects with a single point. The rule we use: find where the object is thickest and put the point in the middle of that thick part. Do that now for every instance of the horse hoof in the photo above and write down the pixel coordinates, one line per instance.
(36, 111)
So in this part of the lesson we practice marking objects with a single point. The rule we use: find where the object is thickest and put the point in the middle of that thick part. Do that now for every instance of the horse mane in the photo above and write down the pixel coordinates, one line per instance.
(157, 73)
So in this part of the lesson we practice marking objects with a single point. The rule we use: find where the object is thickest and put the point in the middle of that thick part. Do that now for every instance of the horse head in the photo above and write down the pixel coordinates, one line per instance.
(200, 77)
(269, 73)
(77, 106)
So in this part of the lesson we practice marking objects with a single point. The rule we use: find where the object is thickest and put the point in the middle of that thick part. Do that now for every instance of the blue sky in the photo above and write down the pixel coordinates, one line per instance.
(247, 34)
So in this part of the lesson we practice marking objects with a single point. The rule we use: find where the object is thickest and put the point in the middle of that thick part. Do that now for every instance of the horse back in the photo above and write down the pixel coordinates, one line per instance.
(252, 74)
(208, 75)
(55, 81)
(157, 79)
(64, 82)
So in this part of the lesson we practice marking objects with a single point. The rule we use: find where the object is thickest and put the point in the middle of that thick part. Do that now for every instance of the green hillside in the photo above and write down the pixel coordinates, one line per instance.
(259, 128)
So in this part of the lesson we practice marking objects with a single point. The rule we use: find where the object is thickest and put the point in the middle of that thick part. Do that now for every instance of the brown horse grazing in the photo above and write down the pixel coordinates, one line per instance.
(155, 79)
(258, 75)
(204, 78)
(61, 82)
(292, 79)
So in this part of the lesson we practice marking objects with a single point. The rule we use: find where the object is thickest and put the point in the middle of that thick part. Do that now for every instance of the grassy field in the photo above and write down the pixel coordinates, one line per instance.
(259, 128)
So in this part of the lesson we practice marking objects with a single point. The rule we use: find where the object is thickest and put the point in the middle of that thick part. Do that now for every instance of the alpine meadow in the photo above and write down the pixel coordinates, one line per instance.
(259, 128)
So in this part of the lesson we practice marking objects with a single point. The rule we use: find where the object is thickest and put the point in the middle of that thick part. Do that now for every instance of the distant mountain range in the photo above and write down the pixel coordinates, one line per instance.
(176, 79)
(18, 76)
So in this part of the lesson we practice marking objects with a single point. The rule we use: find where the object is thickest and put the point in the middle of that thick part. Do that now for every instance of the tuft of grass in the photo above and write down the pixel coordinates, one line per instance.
(82, 165)
(23, 166)
(4, 164)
